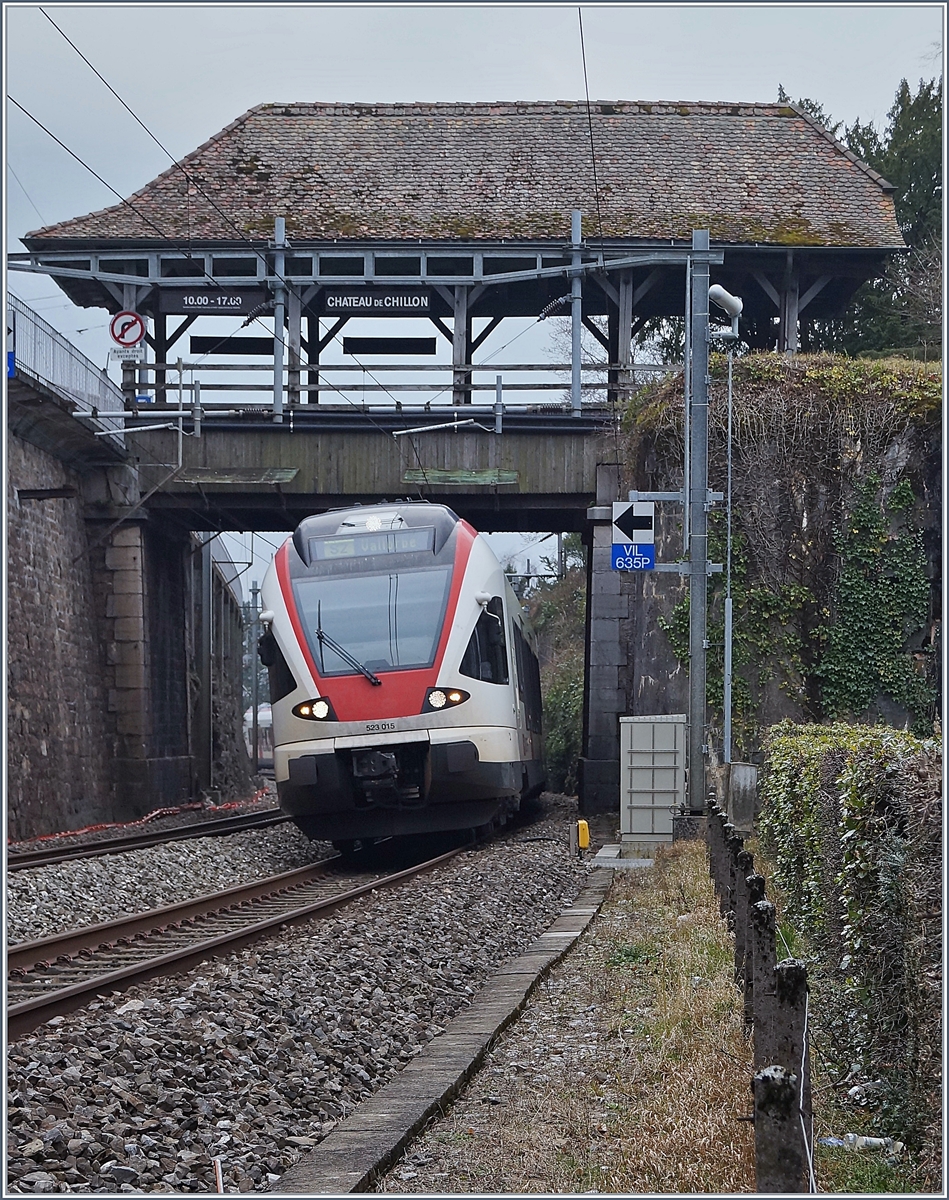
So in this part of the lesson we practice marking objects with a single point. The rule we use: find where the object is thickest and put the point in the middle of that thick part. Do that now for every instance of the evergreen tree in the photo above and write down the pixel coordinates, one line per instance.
(900, 313)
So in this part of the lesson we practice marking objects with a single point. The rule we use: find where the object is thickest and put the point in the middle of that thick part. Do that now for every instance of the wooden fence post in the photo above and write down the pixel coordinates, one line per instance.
(732, 843)
(790, 1038)
(780, 1163)
(713, 832)
(764, 954)
(744, 863)
(755, 894)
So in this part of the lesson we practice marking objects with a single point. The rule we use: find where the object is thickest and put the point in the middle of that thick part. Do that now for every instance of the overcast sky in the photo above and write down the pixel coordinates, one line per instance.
(188, 70)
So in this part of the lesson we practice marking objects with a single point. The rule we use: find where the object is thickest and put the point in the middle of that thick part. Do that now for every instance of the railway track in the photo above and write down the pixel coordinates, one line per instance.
(18, 861)
(59, 974)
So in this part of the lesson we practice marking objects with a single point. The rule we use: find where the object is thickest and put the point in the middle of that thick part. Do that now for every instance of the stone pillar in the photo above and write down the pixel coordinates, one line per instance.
(122, 581)
(604, 698)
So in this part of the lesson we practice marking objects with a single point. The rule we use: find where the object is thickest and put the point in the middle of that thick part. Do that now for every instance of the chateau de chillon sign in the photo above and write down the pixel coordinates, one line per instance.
(375, 302)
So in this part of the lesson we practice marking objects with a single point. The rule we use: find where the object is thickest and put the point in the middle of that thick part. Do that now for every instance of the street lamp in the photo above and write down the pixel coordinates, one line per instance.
(699, 501)
(732, 306)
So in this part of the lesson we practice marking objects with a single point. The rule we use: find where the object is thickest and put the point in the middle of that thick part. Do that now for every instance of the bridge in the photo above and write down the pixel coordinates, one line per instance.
(457, 219)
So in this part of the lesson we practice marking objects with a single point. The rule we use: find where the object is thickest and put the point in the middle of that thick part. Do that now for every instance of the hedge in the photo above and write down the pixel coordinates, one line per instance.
(851, 818)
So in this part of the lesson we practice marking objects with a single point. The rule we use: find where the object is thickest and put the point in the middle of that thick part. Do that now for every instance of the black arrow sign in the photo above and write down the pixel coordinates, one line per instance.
(629, 523)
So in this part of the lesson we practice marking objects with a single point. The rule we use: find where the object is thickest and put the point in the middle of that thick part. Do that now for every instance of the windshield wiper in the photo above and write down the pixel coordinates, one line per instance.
(324, 639)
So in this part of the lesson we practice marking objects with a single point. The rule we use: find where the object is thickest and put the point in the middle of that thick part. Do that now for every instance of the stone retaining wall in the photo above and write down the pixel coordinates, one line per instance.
(59, 773)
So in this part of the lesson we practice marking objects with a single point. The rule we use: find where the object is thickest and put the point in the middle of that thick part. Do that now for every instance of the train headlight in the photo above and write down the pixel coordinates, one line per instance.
(315, 710)
(438, 699)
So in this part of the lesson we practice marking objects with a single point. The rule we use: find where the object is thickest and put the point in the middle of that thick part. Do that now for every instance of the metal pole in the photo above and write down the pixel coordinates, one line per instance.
(498, 404)
(280, 241)
(687, 389)
(204, 739)
(576, 312)
(196, 407)
(254, 698)
(698, 524)
(727, 699)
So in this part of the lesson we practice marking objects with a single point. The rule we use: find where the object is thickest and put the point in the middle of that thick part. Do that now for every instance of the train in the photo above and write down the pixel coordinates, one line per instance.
(404, 679)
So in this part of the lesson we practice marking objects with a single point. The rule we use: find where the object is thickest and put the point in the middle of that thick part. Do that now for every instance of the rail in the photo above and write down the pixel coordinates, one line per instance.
(57, 974)
(41, 353)
(20, 860)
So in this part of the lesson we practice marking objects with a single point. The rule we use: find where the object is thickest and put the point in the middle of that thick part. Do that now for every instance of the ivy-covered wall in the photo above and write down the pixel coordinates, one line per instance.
(836, 535)
(851, 818)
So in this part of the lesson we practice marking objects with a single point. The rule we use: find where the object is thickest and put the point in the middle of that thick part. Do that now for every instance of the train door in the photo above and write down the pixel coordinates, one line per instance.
(518, 679)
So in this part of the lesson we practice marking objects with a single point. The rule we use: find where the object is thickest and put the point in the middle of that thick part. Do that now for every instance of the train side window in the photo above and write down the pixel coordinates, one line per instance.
(485, 656)
(528, 680)
(282, 682)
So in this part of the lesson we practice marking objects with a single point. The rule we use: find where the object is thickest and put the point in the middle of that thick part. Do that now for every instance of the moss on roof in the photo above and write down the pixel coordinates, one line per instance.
(750, 173)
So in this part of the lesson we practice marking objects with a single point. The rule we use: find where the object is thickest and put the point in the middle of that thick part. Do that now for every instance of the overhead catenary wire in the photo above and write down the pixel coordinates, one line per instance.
(586, 86)
(278, 334)
(596, 197)
(27, 194)
(190, 179)
(240, 233)
(175, 243)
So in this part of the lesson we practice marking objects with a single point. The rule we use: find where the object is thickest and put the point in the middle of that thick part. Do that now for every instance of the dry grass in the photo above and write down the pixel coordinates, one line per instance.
(626, 1073)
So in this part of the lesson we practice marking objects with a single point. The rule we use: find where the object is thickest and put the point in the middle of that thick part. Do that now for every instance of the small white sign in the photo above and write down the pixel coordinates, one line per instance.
(133, 354)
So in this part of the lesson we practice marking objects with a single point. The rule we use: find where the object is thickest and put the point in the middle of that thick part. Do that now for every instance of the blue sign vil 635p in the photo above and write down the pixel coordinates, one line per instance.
(627, 557)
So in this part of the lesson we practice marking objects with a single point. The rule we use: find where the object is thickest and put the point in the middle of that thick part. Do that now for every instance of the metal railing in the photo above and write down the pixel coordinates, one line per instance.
(416, 386)
(43, 354)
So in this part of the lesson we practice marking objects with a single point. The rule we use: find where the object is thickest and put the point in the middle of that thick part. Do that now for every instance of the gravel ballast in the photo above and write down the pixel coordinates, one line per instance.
(42, 901)
(257, 1057)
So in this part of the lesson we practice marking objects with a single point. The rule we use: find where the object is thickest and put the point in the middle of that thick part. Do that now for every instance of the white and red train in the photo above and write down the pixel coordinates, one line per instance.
(404, 684)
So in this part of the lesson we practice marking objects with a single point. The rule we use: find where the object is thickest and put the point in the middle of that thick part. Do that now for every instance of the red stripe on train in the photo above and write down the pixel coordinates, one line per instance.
(402, 693)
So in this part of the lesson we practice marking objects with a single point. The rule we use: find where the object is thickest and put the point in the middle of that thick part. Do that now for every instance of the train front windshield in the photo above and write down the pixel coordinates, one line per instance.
(387, 621)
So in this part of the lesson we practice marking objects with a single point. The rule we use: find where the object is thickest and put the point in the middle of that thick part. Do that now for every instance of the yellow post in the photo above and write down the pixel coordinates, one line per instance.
(583, 835)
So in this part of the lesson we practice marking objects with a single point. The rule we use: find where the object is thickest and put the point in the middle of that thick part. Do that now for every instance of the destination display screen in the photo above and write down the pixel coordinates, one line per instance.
(356, 545)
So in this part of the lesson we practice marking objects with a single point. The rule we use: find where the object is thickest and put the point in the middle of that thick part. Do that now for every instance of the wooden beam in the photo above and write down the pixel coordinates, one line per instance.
(600, 336)
(768, 288)
(334, 330)
(185, 324)
(607, 287)
(488, 329)
(460, 342)
(812, 291)
(647, 285)
(442, 327)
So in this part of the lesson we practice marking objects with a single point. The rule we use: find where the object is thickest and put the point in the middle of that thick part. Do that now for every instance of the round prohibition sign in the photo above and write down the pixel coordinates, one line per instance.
(127, 328)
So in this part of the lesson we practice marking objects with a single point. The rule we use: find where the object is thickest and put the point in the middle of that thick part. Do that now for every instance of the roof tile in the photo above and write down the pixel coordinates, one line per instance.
(750, 173)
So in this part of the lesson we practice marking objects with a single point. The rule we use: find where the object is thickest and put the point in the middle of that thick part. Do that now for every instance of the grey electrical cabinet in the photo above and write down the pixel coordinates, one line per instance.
(652, 780)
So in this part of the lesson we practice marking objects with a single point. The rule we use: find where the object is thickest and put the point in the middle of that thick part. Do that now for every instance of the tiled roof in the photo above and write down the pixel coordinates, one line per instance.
(761, 173)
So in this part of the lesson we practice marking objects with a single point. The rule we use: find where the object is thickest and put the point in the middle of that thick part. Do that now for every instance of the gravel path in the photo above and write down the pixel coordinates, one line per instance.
(626, 1073)
(256, 1057)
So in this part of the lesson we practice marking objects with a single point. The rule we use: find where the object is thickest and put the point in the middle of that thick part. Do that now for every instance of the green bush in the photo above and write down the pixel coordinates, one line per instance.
(563, 723)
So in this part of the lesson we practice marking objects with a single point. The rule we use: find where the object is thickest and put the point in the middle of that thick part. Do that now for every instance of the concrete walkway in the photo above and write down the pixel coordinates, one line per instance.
(366, 1144)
